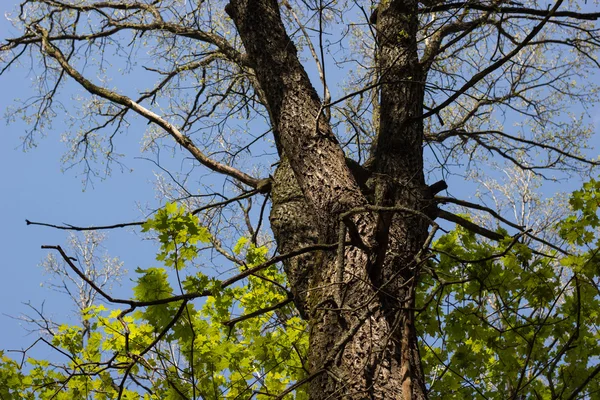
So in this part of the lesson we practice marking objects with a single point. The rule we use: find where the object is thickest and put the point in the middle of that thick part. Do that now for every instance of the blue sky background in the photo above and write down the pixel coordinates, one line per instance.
(35, 188)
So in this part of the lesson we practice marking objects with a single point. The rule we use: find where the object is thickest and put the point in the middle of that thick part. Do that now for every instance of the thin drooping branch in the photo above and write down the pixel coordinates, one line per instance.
(442, 199)
(190, 296)
(495, 256)
(443, 135)
(542, 146)
(86, 279)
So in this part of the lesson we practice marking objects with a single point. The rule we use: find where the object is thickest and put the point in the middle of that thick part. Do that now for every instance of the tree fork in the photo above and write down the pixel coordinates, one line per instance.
(369, 368)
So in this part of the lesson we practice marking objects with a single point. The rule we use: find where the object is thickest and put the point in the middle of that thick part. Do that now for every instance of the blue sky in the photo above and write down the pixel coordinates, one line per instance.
(35, 188)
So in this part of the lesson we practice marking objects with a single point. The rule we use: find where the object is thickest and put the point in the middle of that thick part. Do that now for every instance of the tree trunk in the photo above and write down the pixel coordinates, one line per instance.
(360, 308)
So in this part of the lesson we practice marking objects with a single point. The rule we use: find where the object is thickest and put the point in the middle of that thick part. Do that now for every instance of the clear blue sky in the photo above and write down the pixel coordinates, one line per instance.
(34, 188)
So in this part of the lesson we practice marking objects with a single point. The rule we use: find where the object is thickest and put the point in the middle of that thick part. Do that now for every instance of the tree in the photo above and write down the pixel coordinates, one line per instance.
(389, 311)
(103, 270)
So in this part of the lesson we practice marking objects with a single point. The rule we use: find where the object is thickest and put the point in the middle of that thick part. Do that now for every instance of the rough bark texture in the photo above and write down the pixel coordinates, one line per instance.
(293, 224)
(398, 156)
(360, 308)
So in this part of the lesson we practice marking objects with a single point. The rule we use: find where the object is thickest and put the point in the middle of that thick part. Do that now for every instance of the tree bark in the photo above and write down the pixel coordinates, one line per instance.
(360, 308)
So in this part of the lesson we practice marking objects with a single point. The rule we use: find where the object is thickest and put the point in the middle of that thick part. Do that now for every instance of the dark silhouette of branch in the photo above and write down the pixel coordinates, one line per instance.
(476, 5)
(231, 323)
(491, 68)
(190, 296)
(69, 227)
(443, 200)
(448, 216)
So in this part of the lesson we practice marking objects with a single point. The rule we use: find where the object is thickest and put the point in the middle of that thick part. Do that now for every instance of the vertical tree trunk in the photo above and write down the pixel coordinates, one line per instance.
(360, 309)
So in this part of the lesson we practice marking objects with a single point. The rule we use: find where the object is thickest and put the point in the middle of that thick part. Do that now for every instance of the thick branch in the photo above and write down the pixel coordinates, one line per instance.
(480, 6)
(448, 216)
(179, 137)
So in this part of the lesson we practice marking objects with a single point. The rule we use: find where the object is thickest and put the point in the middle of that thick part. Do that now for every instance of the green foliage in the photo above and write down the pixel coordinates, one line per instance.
(178, 233)
(496, 319)
(172, 350)
(581, 227)
(499, 319)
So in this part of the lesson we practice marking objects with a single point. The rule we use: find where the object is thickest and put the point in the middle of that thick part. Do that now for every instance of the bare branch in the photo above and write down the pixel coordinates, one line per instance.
(180, 138)
(448, 216)
(492, 67)
(231, 323)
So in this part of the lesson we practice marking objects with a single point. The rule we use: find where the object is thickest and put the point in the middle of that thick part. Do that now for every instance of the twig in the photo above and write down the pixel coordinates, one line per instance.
(82, 228)
(231, 323)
